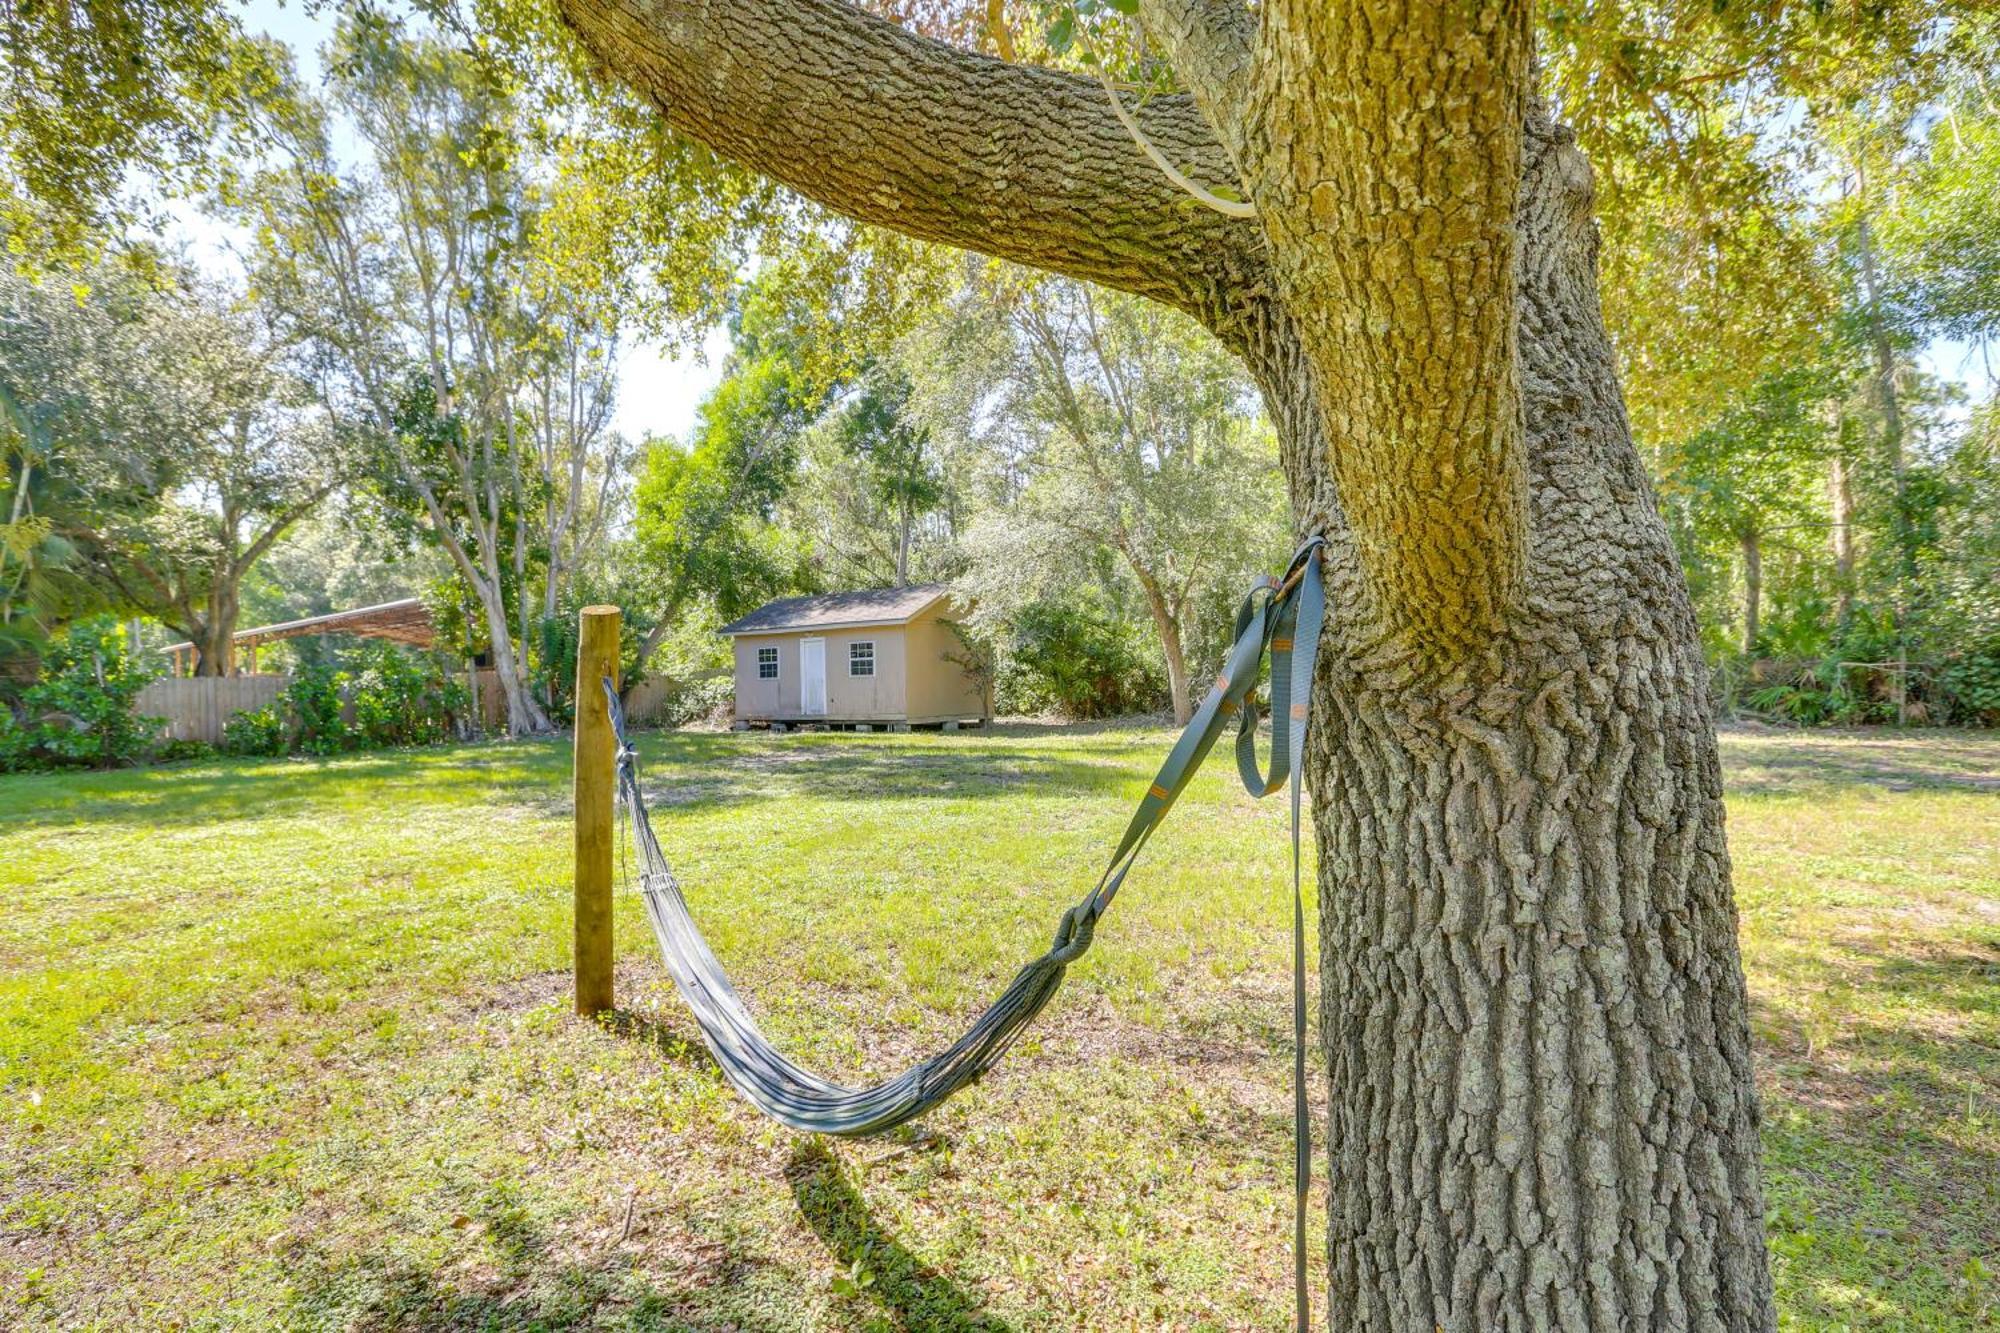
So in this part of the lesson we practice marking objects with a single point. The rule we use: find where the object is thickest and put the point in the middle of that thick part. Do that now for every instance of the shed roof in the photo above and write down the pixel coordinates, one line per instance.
(835, 610)
(401, 622)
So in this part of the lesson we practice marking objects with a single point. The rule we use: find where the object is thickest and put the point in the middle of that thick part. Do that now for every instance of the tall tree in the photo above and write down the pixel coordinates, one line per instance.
(238, 468)
(876, 428)
(580, 463)
(419, 263)
(99, 96)
(1542, 1111)
(703, 513)
(490, 237)
(1126, 427)
(157, 452)
(1752, 475)
(75, 411)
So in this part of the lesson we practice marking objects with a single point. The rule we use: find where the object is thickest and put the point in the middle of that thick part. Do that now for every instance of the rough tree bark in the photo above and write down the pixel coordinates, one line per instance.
(1542, 1110)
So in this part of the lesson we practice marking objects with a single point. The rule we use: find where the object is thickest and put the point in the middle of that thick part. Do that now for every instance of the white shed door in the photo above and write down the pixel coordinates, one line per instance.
(812, 677)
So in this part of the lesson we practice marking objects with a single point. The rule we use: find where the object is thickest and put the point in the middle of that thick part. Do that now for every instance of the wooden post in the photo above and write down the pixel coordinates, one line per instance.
(596, 658)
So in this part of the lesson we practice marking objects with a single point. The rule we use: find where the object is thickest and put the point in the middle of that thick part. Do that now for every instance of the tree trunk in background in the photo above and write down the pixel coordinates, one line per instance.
(903, 544)
(1753, 589)
(214, 648)
(1889, 400)
(1542, 1112)
(1840, 489)
(524, 716)
(1169, 631)
(473, 713)
(214, 634)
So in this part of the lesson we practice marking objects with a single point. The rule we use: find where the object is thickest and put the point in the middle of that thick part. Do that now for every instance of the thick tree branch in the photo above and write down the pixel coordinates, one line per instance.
(1210, 44)
(946, 145)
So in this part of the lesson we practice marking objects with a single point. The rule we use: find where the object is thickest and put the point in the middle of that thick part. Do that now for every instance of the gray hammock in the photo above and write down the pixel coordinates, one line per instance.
(1280, 617)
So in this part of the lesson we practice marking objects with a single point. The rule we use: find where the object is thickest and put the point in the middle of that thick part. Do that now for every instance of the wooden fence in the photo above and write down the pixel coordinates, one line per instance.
(197, 707)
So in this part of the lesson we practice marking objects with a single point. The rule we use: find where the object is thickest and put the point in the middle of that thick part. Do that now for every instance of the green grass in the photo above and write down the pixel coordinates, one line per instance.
(284, 1043)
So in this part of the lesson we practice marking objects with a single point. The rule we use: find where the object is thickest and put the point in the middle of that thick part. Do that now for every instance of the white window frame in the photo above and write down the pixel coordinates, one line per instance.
(854, 661)
(772, 649)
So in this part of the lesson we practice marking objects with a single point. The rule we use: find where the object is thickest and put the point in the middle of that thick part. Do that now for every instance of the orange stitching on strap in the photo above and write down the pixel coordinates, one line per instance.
(1281, 645)
(1299, 712)
(1157, 792)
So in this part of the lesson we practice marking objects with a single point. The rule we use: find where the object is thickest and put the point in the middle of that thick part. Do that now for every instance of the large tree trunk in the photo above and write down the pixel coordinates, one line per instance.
(524, 716)
(214, 648)
(1534, 1016)
(1542, 1110)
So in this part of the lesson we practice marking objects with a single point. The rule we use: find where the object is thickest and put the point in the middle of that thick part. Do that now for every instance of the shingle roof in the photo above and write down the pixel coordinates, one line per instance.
(871, 606)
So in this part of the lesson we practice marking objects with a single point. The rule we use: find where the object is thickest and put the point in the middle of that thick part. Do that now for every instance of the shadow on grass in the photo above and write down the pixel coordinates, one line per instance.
(220, 790)
(673, 1044)
(698, 770)
(527, 1285)
(1898, 1096)
(679, 772)
(1767, 763)
(911, 1294)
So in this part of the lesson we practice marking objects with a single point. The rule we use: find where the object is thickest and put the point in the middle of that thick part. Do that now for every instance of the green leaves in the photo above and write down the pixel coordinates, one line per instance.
(1062, 33)
(93, 95)
(1088, 32)
(1939, 239)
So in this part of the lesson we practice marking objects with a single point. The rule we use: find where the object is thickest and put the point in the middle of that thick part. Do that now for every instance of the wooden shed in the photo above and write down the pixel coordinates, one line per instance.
(884, 656)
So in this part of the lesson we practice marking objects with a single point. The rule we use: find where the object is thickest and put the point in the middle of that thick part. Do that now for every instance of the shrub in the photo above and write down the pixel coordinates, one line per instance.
(403, 699)
(696, 698)
(1970, 688)
(78, 713)
(259, 732)
(14, 740)
(1803, 700)
(554, 679)
(173, 750)
(1077, 661)
(314, 703)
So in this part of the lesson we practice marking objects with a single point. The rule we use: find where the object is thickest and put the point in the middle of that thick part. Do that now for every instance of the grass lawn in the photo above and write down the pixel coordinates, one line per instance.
(285, 1043)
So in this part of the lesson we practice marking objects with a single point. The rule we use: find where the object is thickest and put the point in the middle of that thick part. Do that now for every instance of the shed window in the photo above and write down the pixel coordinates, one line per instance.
(861, 659)
(767, 664)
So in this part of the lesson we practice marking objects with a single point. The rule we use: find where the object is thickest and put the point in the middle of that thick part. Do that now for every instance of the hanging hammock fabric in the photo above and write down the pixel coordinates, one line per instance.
(1280, 618)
